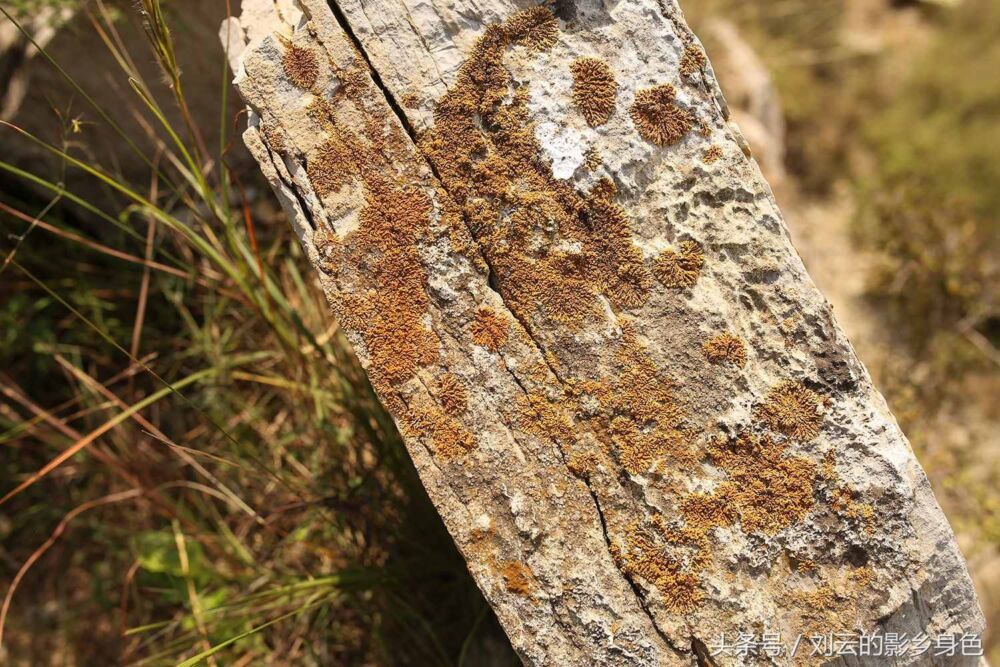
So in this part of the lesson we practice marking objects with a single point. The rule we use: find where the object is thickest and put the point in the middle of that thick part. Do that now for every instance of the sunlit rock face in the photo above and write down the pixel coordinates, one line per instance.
(632, 408)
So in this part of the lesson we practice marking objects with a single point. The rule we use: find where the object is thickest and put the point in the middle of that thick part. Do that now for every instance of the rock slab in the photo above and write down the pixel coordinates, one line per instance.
(571, 287)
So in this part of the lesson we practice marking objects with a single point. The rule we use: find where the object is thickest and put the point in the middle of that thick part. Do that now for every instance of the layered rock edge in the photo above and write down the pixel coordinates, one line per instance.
(573, 290)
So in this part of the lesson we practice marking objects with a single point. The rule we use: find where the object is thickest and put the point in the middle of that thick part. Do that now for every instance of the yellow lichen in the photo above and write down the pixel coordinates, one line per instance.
(793, 410)
(640, 418)
(330, 166)
(680, 267)
(692, 61)
(381, 291)
(640, 555)
(535, 27)
(582, 463)
(516, 577)
(547, 244)
(657, 118)
(489, 329)
(769, 489)
(451, 394)
(725, 348)
(711, 154)
(544, 418)
(446, 436)
(592, 160)
(301, 65)
(594, 89)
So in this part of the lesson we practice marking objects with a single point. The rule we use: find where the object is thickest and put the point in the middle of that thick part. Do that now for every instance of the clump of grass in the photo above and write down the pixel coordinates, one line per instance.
(930, 205)
(194, 467)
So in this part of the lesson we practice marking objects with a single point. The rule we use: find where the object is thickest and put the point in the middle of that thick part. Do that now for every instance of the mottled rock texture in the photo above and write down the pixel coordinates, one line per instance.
(632, 408)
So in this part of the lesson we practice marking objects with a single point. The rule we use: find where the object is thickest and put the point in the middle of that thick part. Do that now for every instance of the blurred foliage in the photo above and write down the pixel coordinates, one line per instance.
(25, 8)
(237, 492)
(931, 207)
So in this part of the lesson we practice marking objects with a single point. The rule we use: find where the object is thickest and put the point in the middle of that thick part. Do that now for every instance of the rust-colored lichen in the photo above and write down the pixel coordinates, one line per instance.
(301, 65)
(542, 417)
(380, 289)
(838, 596)
(447, 436)
(770, 490)
(680, 267)
(711, 154)
(725, 348)
(331, 166)
(793, 410)
(582, 463)
(658, 118)
(489, 329)
(451, 394)
(390, 315)
(516, 577)
(546, 244)
(592, 159)
(692, 61)
(594, 89)
(535, 27)
(641, 555)
(640, 418)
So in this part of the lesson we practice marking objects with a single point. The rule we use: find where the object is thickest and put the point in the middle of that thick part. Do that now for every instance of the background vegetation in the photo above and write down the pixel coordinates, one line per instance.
(194, 466)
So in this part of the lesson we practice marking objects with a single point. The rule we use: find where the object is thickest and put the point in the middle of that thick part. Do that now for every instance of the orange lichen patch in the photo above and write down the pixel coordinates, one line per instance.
(842, 499)
(594, 89)
(640, 555)
(545, 243)
(681, 267)
(331, 166)
(542, 417)
(638, 451)
(838, 597)
(582, 464)
(301, 65)
(692, 61)
(625, 280)
(274, 138)
(793, 410)
(604, 189)
(592, 160)
(725, 348)
(640, 419)
(451, 394)
(411, 101)
(390, 315)
(769, 489)
(535, 27)
(516, 577)
(380, 289)
(711, 154)
(445, 435)
(842, 502)
(328, 251)
(489, 329)
(704, 511)
(804, 565)
(657, 118)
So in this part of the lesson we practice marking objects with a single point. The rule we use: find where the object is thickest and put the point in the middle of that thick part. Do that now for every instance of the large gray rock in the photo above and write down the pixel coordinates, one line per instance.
(628, 401)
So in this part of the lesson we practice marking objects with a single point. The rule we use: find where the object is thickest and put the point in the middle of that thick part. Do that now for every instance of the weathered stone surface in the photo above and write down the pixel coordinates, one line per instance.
(623, 393)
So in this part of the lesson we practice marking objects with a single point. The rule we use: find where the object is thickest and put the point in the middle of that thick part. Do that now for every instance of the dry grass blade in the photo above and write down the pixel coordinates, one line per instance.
(60, 529)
